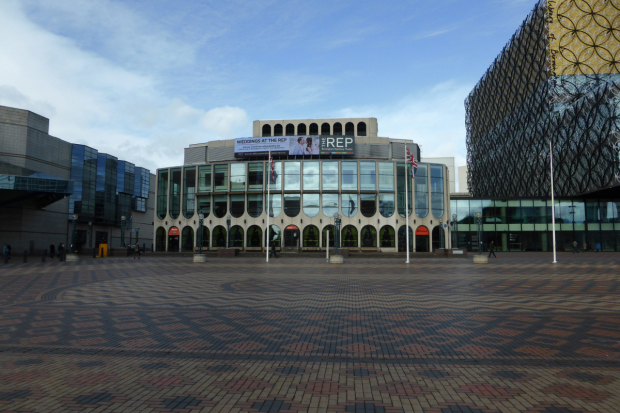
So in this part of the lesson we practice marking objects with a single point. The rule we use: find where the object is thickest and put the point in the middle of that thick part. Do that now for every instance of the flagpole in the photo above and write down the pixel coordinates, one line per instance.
(552, 201)
(406, 207)
(268, 182)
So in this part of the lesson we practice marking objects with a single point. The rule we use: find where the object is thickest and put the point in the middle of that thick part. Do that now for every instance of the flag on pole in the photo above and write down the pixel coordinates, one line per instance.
(414, 164)
(273, 175)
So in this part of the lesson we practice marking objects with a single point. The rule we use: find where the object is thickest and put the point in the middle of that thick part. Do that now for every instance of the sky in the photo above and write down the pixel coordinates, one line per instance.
(143, 79)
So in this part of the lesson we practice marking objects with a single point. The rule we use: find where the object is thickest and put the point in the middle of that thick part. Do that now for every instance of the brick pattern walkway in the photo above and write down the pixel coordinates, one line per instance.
(437, 336)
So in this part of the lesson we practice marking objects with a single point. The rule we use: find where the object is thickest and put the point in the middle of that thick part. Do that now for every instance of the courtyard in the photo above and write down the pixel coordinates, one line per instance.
(297, 334)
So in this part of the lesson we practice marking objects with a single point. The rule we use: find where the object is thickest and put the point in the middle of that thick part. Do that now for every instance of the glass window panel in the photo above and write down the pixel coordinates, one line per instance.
(236, 237)
(274, 204)
(292, 204)
(255, 235)
(219, 206)
(255, 176)
(292, 181)
(368, 176)
(488, 212)
(579, 210)
(237, 205)
(220, 178)
(349, 236)
(275, 234)
(311, 205)
(175, 193)
(204, 204)
(237, 177)
(349, 176)
(311, 236)
(401, 181)
(386, 176)
(332, 236)
(421, 190)
(189, 192)
(368, 204)
(330, 176)
(592, 211)
(513, 212)
(386, 237)
(162, 194)
(311, 176)
(277, 184)
(386, 205)
(330, 204)
(436, 190)
(255, 205)
(369, 237)
(219, 234)
(349, 204)
(204, 178)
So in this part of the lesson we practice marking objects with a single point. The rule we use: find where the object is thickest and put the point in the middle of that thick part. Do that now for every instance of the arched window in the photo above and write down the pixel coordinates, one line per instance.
(386, 237)
(203, 203)
(369, 237)
(292, 204)
(255, 235)
(189, 192)
(437, 191)
(421, 191)
(277, 130)
(160, 239)
(219, 206)
(386, 205)
(421, 239)
(266, 130)
(368, 204)
(330, 204)
(325, 129)
(402, 240)
(205, 238)
(290, 129)
(311, 205)
(349, 237)
(237, 205)
(162, 194)
(175, 193)
(349, 129)
(311, 236)
(275, 234)
(361, 129)
(301, 129)
(219, 237)
(314, 129)
(349, 204)
(403, 178)
(332, 236)
(187, 239)
(236, 237)
(274, 205)
(337, 128)
(438, 239)
(255, 205)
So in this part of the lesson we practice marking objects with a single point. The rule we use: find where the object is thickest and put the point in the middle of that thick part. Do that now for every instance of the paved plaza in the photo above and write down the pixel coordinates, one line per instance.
(373, 335)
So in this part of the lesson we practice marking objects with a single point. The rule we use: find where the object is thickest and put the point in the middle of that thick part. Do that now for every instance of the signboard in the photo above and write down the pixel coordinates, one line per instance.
(173, 231)
(295, 145)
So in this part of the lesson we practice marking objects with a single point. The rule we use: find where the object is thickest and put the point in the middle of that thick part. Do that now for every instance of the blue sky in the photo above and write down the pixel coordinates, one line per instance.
(143, 79)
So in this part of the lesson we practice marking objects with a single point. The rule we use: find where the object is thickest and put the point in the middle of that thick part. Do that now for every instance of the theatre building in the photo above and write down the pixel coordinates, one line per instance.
(322, 167)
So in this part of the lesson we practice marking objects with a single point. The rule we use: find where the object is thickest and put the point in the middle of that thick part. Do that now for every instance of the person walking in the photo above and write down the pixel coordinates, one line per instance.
(575, 250)
(273, 249)
(492, 249)
(598, 247)
(52, 251)
(137, 251)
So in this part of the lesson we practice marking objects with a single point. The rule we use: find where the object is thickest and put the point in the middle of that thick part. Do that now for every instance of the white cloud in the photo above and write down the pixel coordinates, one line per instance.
(225, 122)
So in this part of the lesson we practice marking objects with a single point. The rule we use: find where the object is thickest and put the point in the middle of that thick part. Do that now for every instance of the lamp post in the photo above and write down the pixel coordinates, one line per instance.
(455, 234)
(337, 222)
(440, 232)
(201, 219)
(74, 232)
(228, 233)
(130, 228)
(123, 224)
(479, 219)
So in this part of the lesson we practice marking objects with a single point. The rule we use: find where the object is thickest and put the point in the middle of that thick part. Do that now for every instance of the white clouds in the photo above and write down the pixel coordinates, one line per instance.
(224, 122)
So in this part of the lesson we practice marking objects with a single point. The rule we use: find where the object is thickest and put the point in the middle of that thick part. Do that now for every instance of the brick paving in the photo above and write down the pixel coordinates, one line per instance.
(297, 334)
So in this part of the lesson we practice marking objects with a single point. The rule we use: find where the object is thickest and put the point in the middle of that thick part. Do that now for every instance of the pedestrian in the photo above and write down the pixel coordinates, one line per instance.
(52, 251)
(5, 252)
(491, 249)
(585, 247)
(137, 250)
(61, 250)
(575, 250)
(598, 247)
(273, 249)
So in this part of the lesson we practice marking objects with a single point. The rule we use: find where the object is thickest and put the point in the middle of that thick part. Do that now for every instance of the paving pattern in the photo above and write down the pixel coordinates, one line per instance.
(295, 335)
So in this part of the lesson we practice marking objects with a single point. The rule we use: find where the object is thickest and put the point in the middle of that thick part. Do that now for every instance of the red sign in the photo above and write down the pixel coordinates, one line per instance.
(293, 227)
(421, 231)
(173, 231)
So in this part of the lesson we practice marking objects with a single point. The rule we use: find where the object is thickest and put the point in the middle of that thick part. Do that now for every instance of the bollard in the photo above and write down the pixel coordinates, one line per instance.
(44, 255)
(25, 256)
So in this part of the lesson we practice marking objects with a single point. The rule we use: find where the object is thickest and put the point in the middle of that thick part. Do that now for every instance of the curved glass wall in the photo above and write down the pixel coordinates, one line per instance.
(311, 236)
(386, 237)
(275, 234)
(220, 177)
(204, 239)
(219, 237)
(219, 206)
(237, 177)
(330, 204)
(237, 205)
(187, 239)
(175, 193)
(369, 236)
(368, 176)
(160, 239)
(329, 176)
(386, 205)
(368, 204)
(349, 236)
(386, 176)
(292, 204)
(236, 237)
(274, 204)
(402, 240)
(421, 191)
(349, 204)
(332, 236)
(349, 176)
(255, 234)
(401, 180)
(292, 176)
(255, 176)
(204, 178)
(277, 184)
(436, 191)
(311, 205)
(189, 192)
(204, 204)
(311, 176)
(255, 205)
(162, 194)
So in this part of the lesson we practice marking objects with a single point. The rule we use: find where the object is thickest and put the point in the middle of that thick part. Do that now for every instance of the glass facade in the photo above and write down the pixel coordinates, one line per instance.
(175, 193)
(84, 177)
(436, 191)
(311, 176)
(204, 178)
(401, 180)
(368, 176)
(162, 193)
(421, 191)
(105, 195)
(189, 192)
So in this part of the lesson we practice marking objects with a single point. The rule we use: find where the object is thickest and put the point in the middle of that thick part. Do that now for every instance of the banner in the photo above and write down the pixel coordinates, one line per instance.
(295, 145)
(258, 146)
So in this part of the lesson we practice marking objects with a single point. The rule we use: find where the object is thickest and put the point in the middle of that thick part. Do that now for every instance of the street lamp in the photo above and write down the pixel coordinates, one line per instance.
(123, 224)
(228, 233)
(479, 219)
(337, 222)
(455, 232)
(201, 219)
(74, 232)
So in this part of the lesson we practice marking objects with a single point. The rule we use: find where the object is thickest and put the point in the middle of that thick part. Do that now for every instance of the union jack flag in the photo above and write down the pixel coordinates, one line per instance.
(414, 164)
(273, 176)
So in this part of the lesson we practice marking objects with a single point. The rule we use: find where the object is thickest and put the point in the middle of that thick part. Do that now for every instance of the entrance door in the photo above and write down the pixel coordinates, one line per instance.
(173, 239)
(421, 239)
(291, 236)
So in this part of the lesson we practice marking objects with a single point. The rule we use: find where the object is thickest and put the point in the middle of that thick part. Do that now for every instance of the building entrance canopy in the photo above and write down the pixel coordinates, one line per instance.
(22, 185)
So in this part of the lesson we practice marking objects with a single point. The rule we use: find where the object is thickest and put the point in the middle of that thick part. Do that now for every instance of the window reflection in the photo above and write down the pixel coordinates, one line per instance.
(386, 176)
(330, 204)
(237, 205)
(386, 205)
(219, 206)
(237, 177)
(368, 204)
(204, 204)
(368, 176)
(220, 178)
(436, 190)
(330, 176)
(311, 205)
(274, 204)
(204, 178)
(291, 204)
(349, 176)
(421, 191)
(255, 205)
(349, 204)
(292, 180)
(311, 176)
(255, 176)
(277, 185)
